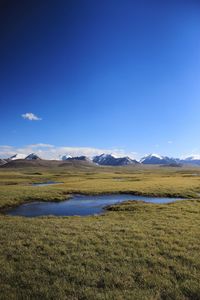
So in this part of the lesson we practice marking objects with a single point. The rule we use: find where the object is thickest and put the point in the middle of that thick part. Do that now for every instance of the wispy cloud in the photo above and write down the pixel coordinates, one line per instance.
(31, 117)
(41, 145)
(170, 142)
(48, 151)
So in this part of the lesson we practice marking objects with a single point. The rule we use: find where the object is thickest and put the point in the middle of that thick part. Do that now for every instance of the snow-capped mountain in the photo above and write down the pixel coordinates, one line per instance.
(104, 159)
(155, 159)
(17, 156)
(71, 158)
(32, 156)
(66, 157)
(150, 156)
(111, 160)
(193, 157)
(193, 160)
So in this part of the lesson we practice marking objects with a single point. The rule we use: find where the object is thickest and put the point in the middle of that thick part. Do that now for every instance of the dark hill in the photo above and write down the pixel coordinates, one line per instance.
(23, 163)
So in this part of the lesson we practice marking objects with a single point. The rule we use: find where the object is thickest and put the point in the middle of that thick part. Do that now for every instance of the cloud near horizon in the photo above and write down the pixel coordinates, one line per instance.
(48, 151)
(31, 117)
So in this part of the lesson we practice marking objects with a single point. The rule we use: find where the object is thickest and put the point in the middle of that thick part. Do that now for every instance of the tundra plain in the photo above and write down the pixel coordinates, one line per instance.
(135, 250)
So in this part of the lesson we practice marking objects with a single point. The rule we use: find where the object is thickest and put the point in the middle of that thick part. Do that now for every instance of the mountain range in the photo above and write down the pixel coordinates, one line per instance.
(31, 156)
(111, 160)
(155, 159)
(72, 158)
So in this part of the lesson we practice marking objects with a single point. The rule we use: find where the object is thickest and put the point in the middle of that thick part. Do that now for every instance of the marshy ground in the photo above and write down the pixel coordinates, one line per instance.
(134, 251)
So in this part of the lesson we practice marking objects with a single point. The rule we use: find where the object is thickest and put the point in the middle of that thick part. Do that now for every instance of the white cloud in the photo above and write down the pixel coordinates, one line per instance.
(41, 145)
(170, 142)
(30, 117)
(48, 151)
(6, 151)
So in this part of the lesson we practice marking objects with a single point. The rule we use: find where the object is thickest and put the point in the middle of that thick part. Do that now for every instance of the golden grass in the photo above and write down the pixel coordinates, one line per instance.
(15, 186)
(135, 251)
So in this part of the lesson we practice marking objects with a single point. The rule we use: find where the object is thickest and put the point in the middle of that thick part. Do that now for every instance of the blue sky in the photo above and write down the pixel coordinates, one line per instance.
(115, 75)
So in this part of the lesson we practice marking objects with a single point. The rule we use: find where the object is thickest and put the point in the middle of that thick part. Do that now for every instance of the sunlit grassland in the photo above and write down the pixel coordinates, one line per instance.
(134, 251)
(139, 251)
(15, 186)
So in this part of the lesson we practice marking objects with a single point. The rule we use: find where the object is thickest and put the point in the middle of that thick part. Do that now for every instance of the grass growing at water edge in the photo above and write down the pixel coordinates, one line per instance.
(15, 186)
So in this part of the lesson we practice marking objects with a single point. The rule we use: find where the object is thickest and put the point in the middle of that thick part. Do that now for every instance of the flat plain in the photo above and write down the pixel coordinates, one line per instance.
(135, 250)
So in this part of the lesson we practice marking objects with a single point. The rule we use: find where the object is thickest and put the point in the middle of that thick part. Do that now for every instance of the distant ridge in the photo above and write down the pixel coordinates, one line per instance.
(81, 158)
(32, 156)
(155, 159)
(106, 160)
(44, 163)
(17, 156)
(3, 162)
(111, 160)
(191, 160)
(66, 157)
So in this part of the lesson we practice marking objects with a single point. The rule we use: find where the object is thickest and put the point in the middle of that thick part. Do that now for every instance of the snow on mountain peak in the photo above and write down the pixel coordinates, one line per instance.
(193, 157)
(150, 156)
(112, 160)
(66, 157)
(32, 156)
(17, 156)
(156, 155)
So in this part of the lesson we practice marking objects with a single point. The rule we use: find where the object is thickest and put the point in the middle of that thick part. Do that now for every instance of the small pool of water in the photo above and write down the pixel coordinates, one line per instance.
(46, 183)
(82, 205)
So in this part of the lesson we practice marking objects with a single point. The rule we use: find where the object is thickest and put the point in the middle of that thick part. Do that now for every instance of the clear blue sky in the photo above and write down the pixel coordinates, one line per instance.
(103, 74)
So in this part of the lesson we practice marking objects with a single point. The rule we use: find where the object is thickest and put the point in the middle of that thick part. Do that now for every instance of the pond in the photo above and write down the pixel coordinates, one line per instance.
(46, 183)
(82, 205)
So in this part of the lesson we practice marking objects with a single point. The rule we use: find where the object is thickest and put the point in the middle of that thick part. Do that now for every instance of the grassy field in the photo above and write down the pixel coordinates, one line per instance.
(15, 185)
(134, 251)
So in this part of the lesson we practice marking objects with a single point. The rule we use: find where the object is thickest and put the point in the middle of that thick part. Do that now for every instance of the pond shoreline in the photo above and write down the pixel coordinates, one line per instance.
(72, 194)
(81, 204)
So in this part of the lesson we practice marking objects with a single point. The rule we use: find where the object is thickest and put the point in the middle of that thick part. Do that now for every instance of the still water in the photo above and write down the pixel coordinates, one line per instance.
(46, 183)
(82, 205)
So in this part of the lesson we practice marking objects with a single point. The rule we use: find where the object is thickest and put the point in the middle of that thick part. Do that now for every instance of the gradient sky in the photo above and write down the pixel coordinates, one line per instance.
(114, 74)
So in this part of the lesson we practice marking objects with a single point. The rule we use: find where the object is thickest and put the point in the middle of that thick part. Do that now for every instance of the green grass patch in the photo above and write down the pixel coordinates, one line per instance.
(134, 251)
